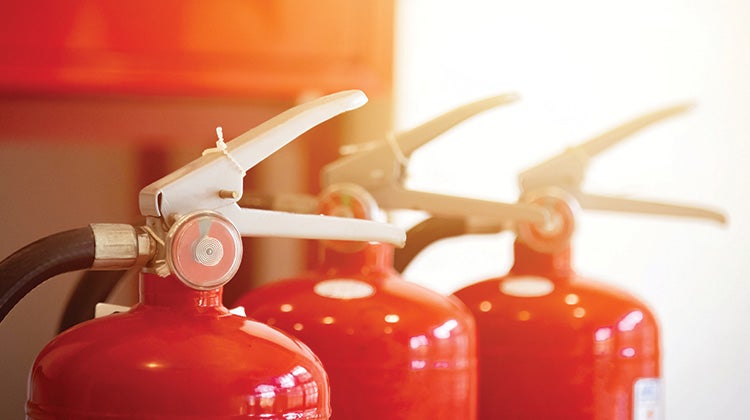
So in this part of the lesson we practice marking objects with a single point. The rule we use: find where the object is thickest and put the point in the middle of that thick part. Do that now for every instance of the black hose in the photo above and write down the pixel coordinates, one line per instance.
(425, 233)
(35, 263)
(92, 288)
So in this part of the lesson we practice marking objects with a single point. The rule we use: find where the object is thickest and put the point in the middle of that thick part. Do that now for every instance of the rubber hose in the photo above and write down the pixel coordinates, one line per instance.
(421, 235)
(41, 260)
(92, 288)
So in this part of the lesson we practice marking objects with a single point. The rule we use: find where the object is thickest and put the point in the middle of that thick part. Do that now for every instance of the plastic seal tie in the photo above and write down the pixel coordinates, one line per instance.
(160, 266)
(221, 147)
(397, 152)
(153, 234)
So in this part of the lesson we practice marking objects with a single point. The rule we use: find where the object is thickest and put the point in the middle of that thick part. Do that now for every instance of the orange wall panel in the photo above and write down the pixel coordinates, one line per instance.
(198, 48)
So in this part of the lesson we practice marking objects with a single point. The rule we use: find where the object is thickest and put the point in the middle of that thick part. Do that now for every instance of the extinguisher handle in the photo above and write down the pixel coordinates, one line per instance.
(213, 182)
(626, 205)
(568, 169)
(380, 168)
(257, 222)
(452, 206)
(382, 163)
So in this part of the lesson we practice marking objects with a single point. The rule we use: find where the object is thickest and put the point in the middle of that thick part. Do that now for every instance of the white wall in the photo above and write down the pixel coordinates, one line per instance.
(581, 67)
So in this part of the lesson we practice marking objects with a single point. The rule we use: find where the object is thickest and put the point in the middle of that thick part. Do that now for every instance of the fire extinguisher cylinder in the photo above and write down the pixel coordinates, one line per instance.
(552, 344)
(179, 353)
(392, 349)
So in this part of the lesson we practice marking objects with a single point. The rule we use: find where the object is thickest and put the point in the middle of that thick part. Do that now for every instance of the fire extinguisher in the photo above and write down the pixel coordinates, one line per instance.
(392, 349)
(554, 345)
(179, 353)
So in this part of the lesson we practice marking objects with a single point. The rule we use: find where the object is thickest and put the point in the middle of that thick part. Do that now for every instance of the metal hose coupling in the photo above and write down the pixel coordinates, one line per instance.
(121, 246)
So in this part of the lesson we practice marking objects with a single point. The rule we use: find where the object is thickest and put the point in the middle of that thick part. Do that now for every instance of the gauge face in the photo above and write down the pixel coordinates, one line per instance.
(204, 250)
(556, 232)
(347, 200)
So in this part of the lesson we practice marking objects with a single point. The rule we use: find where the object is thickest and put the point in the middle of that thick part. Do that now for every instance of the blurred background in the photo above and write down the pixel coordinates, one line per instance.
(98, 99)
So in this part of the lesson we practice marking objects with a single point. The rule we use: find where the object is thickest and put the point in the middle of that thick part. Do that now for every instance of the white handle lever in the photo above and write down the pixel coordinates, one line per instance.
(446, 205)
(599, 202)
(567, 171)
(414, 138)
(213, 182)
(568, 168)
(558, 180)
(378, 167)
(380, 163)
(215, 179)
(254, 222)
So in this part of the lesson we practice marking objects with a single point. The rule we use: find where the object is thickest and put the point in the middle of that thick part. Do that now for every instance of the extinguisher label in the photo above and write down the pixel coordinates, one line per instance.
(527, 286)
(103, 309)
(344, 289)
(647, 399)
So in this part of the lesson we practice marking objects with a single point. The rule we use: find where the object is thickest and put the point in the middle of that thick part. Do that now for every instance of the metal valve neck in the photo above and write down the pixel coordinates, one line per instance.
(170, 292)
(530, 262)
(352, 257)
(371, 258)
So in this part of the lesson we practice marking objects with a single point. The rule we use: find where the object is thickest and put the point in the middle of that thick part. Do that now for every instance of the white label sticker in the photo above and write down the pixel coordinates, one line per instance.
(239, 310)
(344, 289)
(647, 399)
(103, 309)
(527, 286)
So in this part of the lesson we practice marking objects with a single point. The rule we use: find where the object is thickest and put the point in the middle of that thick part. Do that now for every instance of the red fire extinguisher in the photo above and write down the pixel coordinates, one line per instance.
(392, 349)
(554, 345)
(179, 353)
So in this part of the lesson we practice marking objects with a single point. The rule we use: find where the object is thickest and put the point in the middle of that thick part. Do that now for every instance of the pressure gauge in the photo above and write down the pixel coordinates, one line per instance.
(204, 250)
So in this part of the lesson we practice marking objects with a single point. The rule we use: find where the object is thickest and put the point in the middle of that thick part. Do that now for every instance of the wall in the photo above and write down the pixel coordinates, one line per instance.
(582, 67)
(47, 188)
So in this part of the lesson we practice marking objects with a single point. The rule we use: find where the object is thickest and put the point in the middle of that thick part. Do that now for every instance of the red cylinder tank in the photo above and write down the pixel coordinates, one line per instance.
(178, 354)
(555, 346)
(392, 349)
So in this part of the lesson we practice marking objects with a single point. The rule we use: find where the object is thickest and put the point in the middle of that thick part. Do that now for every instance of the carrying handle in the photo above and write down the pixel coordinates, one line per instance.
(567, 170)
(626, 205)
(213, 182)
(569, 167)
(380, 168)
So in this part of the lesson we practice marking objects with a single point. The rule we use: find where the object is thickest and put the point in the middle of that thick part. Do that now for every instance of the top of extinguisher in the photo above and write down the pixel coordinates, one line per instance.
(193, 222)
(380, 168)
(193, 215)
(556, 185)
(568, 169)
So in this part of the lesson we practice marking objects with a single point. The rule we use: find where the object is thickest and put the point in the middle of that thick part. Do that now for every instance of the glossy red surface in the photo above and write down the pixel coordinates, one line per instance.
(392, 349)
(178, 354)
(574, 353)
